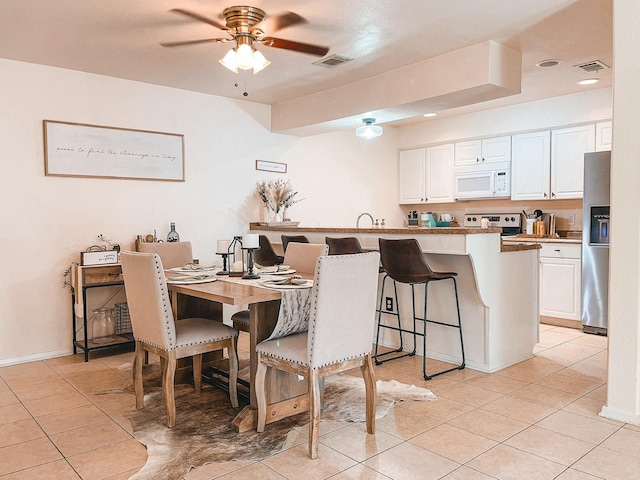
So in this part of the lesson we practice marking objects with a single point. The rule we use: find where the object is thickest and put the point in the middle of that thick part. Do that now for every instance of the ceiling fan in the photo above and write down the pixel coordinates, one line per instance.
(247, 26)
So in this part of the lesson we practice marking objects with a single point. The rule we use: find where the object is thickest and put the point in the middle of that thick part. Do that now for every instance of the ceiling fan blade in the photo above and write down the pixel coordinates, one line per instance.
(278, 22)
(318, 50)
(194, 42)
(201, 18)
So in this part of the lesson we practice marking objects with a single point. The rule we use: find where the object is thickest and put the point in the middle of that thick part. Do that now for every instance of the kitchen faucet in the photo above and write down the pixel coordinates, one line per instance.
(360, 216)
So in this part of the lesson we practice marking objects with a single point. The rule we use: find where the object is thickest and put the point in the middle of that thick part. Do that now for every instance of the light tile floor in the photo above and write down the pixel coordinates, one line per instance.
(534, 420)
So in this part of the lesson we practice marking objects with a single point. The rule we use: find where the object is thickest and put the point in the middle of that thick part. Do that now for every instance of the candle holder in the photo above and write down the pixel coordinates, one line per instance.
(237, 240)
(250, 275)
(224, 270)
(223, 251)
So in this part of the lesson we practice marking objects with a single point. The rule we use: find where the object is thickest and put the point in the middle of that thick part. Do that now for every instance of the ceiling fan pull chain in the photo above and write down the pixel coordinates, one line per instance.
(244, 74)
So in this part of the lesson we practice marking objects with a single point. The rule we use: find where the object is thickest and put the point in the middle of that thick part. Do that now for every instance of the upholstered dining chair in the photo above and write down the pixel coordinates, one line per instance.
(266, 255)
(172, 254)
(339, 337)
(343, 246)
(302, 258)
(155, 331)
(286, 239)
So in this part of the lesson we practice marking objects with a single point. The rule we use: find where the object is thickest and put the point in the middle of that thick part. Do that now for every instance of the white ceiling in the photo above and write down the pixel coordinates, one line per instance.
(121, 38)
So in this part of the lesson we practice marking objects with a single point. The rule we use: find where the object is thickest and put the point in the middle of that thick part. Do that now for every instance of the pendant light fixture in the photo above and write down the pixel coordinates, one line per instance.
(369, 130)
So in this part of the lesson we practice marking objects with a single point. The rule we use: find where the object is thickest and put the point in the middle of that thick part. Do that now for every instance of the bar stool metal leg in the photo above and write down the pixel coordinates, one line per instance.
(458, 326)
(399, 328)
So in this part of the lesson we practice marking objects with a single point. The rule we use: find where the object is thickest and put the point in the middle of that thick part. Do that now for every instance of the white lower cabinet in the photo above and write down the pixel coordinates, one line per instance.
(560, 280)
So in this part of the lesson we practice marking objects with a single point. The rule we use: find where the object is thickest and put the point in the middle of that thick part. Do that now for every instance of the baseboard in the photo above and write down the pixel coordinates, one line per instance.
(34, 358)
(620, 415)
(561, 322)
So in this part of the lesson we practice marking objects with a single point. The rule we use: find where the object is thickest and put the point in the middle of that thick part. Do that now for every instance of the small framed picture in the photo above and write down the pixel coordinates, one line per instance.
(271, 166)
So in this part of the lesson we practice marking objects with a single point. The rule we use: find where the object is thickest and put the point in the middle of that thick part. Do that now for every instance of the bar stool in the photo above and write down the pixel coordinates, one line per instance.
(292, 238)
(404, 262)
(343, 246)
(266, 255)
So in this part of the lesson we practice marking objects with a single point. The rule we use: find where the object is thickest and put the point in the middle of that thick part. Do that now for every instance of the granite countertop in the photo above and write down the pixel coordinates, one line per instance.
(536, 239)
(392, 230)
(519, 247)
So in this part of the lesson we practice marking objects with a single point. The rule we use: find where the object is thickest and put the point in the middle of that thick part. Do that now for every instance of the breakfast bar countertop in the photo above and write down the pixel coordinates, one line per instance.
(397, 231)
(381, 230)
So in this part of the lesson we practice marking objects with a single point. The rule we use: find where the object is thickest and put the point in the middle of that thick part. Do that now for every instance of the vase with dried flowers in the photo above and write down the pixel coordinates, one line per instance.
(277, 196)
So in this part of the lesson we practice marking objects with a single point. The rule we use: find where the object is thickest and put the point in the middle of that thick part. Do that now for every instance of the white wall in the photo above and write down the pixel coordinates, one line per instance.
(48, 221)
(623, 393)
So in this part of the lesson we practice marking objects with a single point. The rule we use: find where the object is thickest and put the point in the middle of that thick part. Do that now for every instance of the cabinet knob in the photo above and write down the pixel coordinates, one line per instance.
(477, 160)
(553, 194)
(545, 195)
(482, 159)
(557, 250)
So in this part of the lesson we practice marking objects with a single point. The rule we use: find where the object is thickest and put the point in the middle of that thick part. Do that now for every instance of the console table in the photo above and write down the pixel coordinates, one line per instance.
(83, 279)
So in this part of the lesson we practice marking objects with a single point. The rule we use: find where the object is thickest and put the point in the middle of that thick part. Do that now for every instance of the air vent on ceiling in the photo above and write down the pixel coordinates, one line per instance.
(592, 66)
(332, 61)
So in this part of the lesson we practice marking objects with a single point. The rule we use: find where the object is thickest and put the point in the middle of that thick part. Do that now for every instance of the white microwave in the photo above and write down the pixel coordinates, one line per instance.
(483, 183)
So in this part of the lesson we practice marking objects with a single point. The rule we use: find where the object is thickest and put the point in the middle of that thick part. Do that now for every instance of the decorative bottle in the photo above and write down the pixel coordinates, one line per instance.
(173, 236)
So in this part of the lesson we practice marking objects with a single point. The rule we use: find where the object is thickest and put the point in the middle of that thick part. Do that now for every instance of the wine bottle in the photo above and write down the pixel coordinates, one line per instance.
(173, 236)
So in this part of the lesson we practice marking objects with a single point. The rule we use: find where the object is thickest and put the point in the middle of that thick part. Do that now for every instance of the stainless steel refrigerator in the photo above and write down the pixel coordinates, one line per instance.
(595, 242)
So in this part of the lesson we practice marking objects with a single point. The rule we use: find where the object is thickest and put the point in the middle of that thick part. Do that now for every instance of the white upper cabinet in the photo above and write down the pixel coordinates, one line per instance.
(531, 166)
(411, 174)
(426, 175)
(550, 164)
(604, 134)
(480, 152)
(568, 146)
(439, 173)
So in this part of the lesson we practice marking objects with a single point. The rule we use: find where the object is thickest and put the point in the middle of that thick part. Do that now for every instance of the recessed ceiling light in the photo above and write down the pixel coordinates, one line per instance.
(588, 81)
(548, 63)
(430, 114)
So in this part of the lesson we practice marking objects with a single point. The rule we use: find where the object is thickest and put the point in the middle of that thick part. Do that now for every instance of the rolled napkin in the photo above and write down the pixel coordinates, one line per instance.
(263, 269)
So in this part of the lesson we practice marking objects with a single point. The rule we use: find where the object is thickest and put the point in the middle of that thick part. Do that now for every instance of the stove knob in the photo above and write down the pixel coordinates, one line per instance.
(513, 219)
(474, 219)
(506, 219)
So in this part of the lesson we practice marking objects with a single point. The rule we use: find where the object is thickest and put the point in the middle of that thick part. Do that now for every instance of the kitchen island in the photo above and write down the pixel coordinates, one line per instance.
(498, 290)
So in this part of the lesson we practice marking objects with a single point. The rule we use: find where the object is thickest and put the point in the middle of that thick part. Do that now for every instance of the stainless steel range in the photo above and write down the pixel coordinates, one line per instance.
(511, 223)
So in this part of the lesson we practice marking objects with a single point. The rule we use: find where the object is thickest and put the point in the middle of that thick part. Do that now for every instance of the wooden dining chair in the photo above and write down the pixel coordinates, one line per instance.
(154, 330)
(339, 338)
(172, 254)
(302, 258)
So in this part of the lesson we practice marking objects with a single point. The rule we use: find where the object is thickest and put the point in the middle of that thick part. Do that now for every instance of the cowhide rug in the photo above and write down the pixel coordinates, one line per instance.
(203, 432)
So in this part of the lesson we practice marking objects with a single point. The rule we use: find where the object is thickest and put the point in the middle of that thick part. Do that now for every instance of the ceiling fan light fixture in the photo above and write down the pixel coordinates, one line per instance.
(368, 130)
(229, 61)
(259, 62)
(244, 57)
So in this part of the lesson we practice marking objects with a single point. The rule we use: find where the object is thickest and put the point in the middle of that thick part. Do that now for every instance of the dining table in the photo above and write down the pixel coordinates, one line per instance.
(286, 393)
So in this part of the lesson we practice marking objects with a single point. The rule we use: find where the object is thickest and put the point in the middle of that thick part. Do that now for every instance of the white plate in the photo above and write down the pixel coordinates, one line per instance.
(191, 281)
(286, 286)
(281, 272)
(190, 269)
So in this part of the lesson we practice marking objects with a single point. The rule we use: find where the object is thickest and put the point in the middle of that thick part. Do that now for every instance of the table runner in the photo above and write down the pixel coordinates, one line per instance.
(295, 305)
